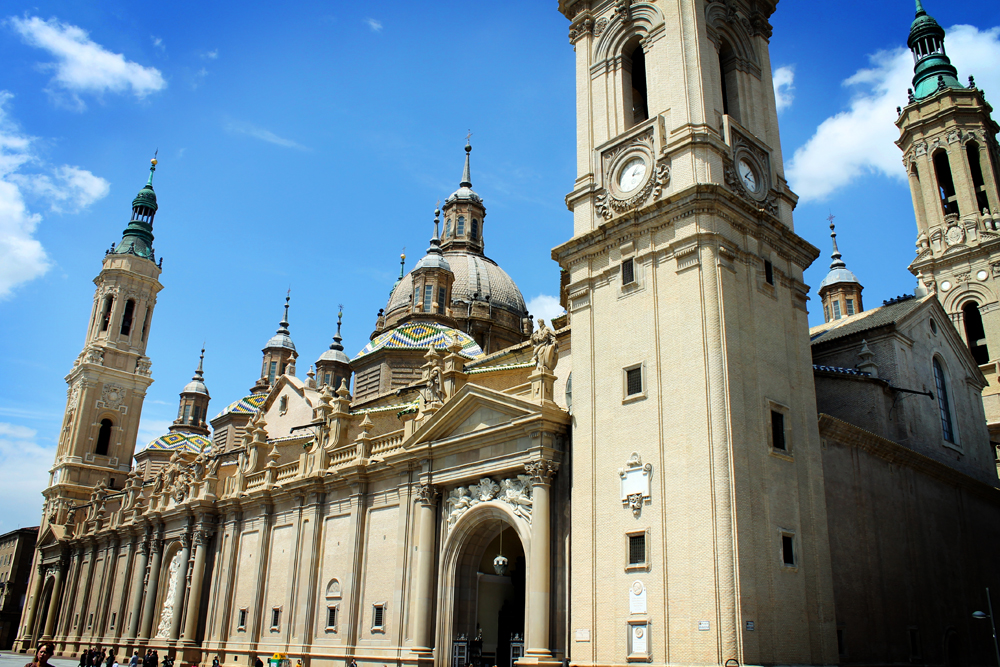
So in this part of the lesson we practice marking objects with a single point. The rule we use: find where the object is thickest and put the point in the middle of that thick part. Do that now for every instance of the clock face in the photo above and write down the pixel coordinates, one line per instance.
(631, 175)
(747, 176)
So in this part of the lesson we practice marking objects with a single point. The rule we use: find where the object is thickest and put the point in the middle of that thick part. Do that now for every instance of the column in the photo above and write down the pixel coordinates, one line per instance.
(50, 619)
(539, 567)
(154, 580)
(194, 599)
(138, 578)
(178, 602)
(29, 617)
(423, 601)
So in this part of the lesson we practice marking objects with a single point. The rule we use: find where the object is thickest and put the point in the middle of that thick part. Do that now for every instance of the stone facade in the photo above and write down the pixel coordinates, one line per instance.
(17, 550)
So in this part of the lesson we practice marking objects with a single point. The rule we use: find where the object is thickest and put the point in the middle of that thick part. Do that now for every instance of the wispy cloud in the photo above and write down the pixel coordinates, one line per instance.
(256, 132)
(859, 140)
(82, 65)
(783, 79)
(210, 55)
(158, 42)
(25, 466)
(545, 307)
(149, 430)
(374, 24)
(22, 172)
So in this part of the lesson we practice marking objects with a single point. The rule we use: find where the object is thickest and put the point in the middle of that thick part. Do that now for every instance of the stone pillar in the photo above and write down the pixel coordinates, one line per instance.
(423, 601)
(149, 609)
(29, 616)
(194, 599)
(138, 578)
(539, 565)
(53, 613)
(178, 601)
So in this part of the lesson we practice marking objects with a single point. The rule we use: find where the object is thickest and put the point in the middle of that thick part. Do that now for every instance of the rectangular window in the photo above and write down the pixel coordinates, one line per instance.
(628, 272)
(326, 379)
(836, 310)
(637, 549)
(331, 618)
(271, 371)
(441, 304)
(428, 296)
(111, 622)
(633, 381)
(788, 550)
(778, 430)
(850, 307)
(195, 414)
(378, 613)
(275, 618)
(826, 313)
(187, 414)
(768, 272)
(76, 620)
(241, 623)
(90, 621)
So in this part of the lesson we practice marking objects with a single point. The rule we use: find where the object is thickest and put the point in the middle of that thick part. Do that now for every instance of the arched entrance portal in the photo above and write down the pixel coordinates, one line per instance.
(478, 604)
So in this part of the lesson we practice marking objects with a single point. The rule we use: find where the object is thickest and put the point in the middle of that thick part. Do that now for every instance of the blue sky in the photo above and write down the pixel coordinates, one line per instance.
(304, 146)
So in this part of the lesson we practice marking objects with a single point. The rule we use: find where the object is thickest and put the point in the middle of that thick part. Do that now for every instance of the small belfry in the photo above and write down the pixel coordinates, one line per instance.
(949, 145)
(192, 413)
(840, 291)
(110, 377)
(279, 355)
(333, 367)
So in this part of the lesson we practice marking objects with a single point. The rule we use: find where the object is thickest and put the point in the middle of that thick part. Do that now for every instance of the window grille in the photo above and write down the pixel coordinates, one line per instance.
(628, 271)
(850, 307)
(331, 617)
(637, 549)
(836, 310)
(275, 617)
(428, 297)
(378, 617)
(633, 381)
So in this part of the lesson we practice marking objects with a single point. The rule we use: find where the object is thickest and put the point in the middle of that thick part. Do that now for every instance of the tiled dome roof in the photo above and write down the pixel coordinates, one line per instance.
(246, 405)
(422, 336)
(180, 441)
(474, 275)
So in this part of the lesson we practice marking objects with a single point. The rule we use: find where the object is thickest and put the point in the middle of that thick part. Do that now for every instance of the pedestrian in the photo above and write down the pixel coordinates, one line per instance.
(354, 663)
(215, 661)
(257, 662)
(110, 661)
(44, 651)
(134, 660)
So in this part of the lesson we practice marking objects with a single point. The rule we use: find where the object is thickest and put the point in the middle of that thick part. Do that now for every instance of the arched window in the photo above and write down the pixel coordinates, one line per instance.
(127, 317)
(196, 415)
(976, 169)
(946, 186)
(186, 417)
(442, 293)
(474, 232)
(943, 406)
(145, 325)
(333, 590)
(428, 297)
(104, 437)
(109, 302)
(460, 227)
(447, 228)
(975, 335)
(634, 83)
(729, 80)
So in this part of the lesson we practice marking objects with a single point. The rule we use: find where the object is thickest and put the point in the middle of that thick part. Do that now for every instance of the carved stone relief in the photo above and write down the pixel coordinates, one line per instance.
(112, 395)
(635, 483)
(167, 613)
(515, 491)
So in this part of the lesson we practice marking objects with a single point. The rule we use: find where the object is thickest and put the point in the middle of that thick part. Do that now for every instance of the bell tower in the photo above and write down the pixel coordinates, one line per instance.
(949, 143)
(109, 379)
(689, 324)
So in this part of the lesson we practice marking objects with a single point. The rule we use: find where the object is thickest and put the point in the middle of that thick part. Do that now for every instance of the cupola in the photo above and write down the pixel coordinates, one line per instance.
(193, 411)
(463, 215)
(137, 239)
(279, 355)
(432, 281)
(333, 366)
(932, 69)
(840, 291)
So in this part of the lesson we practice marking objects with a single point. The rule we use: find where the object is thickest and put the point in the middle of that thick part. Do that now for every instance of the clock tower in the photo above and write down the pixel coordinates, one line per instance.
(702, 533)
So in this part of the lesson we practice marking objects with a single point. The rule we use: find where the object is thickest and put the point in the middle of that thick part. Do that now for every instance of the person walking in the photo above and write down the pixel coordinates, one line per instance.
(134, 660)
(110, 660)
(44, 651)
(215, 661)
(257, 662)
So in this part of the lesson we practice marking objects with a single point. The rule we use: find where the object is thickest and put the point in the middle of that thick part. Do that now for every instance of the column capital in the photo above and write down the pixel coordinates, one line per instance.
(427, 494)
(201, 537)
(185, 540)
(541, 471)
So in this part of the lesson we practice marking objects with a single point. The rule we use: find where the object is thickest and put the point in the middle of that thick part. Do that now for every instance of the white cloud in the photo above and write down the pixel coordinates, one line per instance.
(374, 24)
(149, 430)
(25, 466)
(84, 66)
(65, 189)
(783, 80)
(158, 42)
(210, 55)
(263, 135)
(545, 307)
(859, 140)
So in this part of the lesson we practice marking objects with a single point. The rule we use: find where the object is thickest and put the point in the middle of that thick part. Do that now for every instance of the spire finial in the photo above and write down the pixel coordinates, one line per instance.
(837, 263)
(467, 173)
(402, 262)
(199, 374)
(337, 345)
(152, 167)
(283, 324)
(920, 9)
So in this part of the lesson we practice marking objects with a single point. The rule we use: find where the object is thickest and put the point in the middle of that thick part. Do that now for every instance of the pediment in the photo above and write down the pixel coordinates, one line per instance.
(473, 409)
(50, 535)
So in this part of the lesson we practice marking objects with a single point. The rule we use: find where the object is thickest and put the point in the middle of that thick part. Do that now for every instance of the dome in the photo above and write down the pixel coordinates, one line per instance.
(245, 406)
(146, 197)
(433, 261)
(281, 339)
(838, 276)
(464, 193)
(334, 355)
(196, 386)
(180, 441)
(474, 275)
(421, 336)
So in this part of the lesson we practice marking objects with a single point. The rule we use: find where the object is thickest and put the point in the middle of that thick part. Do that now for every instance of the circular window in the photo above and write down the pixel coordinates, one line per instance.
(982, 275)
(945, 286)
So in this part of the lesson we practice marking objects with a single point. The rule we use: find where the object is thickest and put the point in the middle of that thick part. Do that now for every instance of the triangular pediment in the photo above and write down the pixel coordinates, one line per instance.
(50, 535)
(473, 408)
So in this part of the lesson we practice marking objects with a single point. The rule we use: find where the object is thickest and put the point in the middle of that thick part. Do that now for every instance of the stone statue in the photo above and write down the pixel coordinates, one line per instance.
(167, 614)
(546, 354)
(432, 392)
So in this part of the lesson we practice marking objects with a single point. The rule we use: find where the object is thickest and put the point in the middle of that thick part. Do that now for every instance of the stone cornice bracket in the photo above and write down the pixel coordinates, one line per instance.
(541, 471)
(427, 494)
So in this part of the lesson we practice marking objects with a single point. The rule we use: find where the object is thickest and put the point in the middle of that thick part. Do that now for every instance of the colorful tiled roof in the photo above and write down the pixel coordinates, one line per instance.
(422, 336)
(174, 441)
(246, 405)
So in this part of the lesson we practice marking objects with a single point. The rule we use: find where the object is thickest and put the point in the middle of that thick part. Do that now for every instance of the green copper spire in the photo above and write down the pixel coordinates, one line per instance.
(137, 239)
(933, 70)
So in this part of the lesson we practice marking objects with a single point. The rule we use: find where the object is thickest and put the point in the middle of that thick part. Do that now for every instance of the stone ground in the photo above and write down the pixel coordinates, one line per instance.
(12, 659)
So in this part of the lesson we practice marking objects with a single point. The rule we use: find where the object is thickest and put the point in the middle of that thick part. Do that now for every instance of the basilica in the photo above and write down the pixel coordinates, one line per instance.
(722, 485)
